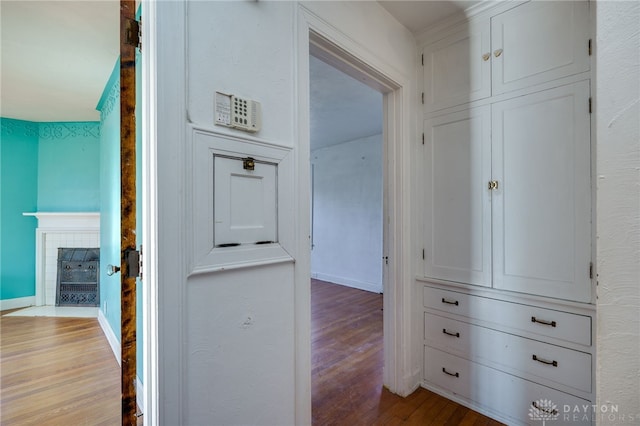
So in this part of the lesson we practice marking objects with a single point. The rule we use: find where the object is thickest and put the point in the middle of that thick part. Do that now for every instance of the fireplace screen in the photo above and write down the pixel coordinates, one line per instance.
(78, 277)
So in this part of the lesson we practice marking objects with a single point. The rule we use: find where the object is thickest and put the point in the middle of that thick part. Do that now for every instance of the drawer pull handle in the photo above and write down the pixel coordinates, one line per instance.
(544, 361)
(444, 330)
(544, 410)
(543, 322)
(449, 302)
(444, 370)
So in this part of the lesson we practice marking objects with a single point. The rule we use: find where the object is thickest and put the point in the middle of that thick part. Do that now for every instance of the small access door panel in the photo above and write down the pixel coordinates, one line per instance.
(245, 201)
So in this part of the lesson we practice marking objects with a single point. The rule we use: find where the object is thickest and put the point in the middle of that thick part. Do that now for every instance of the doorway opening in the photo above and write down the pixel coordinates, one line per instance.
(348, 260)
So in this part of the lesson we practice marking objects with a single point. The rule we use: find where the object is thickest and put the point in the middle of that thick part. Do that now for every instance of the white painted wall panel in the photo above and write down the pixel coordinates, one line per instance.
(239, 348)
(347, 214)
(617, 108)
(245, 49)
(217, 366)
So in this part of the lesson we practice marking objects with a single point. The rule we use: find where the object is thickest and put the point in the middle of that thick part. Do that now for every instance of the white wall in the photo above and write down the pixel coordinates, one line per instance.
(347, 213)
(233, 345)
(617, 115)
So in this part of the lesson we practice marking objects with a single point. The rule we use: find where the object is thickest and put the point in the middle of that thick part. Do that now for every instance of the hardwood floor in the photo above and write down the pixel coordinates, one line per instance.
(57, 371)
(347, 361)
(61, 371)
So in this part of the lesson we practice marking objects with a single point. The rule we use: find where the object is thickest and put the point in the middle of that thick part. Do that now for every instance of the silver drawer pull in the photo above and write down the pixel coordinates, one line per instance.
(450, 302)
(444, 330)
(444, 370)
(544, 410)
(543, 322)
(544, 361)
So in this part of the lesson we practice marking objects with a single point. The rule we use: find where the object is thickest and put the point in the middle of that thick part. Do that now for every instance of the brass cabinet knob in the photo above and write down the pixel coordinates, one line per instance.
(497, 53)
(486, 56)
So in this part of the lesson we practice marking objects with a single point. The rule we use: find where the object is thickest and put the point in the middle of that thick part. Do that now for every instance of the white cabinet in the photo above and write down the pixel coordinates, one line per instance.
(542, 206)
(457, 69)
(487, 353)
(507, 214)
(537, 42)
(530, 44)
(510, 398)
(457, 154)
(532, 232)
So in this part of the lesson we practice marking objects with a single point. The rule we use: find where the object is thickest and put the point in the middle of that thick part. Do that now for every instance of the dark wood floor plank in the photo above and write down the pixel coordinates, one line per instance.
(347, 362)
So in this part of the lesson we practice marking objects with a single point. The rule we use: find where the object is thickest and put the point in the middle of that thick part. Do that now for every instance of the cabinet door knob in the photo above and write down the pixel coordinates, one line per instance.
(497, 53)
(486, 57)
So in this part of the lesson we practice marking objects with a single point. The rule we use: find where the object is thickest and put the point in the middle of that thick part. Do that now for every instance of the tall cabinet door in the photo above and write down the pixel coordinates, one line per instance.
(457, 68)
(457, 210)
(542, 206)
(539, 41)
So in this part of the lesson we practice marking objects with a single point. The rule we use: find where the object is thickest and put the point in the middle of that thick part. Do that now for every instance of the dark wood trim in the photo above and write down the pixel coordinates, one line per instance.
(127, 210)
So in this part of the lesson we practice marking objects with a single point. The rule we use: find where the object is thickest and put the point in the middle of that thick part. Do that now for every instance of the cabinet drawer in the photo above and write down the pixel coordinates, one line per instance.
(501, 393)
(513, 317)
(541, 362)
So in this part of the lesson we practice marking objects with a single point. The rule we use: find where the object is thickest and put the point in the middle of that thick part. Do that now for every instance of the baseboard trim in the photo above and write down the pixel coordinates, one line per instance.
(115, 347)
(140, 394)
(361, 285)
(110, 335)
(18, 302)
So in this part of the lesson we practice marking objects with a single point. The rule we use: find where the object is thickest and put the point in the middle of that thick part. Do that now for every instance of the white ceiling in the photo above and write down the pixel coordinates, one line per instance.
(418, 15)
(56, 58)
(342, 108)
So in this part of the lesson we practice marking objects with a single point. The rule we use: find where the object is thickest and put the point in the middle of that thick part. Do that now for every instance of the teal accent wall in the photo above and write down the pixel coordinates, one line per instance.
(68, 173)
(45, 167)
(18, 194)
(109, 107)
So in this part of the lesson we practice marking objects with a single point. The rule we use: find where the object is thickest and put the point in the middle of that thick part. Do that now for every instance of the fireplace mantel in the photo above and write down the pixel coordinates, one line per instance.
(67, 220)
(55, 230)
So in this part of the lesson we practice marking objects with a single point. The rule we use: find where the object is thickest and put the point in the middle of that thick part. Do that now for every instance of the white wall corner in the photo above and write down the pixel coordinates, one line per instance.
(18, 302)
(115, 347)
(617, 107)
(110, 335)
(140, 394)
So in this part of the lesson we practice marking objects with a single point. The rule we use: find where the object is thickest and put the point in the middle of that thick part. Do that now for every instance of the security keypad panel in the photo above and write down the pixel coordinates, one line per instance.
(238, 113)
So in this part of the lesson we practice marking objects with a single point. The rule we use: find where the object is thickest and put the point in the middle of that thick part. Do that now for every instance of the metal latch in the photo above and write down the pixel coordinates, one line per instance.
(133, 35)
(133, 259)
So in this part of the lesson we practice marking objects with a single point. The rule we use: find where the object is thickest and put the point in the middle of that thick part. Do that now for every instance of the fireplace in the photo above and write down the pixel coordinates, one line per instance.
(78, 277)
(55, 230)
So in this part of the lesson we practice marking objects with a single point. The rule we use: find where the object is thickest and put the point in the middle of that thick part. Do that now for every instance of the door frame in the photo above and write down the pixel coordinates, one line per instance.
(329, 44)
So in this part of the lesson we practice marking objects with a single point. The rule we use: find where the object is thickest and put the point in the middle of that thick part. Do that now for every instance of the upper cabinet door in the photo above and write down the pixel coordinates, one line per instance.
(457, 211)
(542, 206)
(539, 41)
(457, 69)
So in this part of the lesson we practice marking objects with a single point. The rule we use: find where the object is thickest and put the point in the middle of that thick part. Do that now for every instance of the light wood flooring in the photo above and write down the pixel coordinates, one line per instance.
(57, 371)
(61, 371)
(347, 362)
